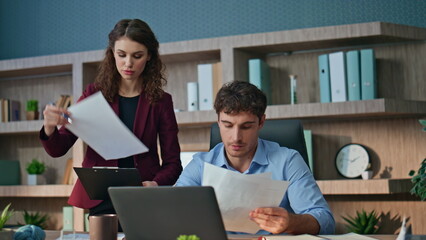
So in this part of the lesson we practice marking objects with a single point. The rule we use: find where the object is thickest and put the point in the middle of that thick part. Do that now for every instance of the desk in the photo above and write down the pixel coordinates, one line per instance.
(53, 235)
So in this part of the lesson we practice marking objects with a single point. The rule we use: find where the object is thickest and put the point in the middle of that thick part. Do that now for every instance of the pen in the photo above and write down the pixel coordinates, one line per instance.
(64, 115)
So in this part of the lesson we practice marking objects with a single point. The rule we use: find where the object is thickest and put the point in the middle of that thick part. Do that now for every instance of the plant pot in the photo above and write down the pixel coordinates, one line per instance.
(35, 179)
(6, 234)
(32, 115)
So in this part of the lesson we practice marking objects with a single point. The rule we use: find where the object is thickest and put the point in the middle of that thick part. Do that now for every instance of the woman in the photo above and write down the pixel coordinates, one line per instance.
(131, 79)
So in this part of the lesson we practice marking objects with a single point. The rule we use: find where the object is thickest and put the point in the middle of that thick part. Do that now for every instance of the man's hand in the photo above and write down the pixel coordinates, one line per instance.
(278, 220)
(149, 184)
(272, 219)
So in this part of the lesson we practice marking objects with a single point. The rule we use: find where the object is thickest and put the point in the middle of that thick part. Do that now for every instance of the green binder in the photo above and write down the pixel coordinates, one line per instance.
(10, 173)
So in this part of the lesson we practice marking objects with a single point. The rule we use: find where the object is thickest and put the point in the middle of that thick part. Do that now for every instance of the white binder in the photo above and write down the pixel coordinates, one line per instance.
(338, 77)
(192, 93)
(205, 86)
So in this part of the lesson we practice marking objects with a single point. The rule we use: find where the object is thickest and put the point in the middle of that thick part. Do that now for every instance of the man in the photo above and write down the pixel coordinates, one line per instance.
(241, 114)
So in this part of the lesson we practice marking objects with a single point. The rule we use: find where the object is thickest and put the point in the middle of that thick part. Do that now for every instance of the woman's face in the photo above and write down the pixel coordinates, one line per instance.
(130, 58)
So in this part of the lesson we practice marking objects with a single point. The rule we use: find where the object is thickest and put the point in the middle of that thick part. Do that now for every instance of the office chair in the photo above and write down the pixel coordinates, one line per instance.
(286, 132)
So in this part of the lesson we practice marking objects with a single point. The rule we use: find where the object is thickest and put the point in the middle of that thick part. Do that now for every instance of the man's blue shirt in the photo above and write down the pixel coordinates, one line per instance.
(303, 195)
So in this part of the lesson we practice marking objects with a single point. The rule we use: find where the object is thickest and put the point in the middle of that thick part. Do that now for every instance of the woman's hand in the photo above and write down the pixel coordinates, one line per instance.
(150, 184)
(53, 116)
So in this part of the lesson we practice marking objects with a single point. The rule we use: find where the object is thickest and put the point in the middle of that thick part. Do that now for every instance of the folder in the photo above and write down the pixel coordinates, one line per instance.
(259, 76)
(14, 110)
(308, 140)
(324, 78)
(354, 75)
(192, 91)
(338, 77)
(68, 218)
(368, 75)
(205, 86)
(10, 172)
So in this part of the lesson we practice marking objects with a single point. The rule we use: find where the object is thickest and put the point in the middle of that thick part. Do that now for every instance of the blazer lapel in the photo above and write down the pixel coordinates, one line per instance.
(141, 116)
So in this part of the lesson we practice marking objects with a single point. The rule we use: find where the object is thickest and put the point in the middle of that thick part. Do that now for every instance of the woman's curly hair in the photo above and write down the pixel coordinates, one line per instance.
(153, 79)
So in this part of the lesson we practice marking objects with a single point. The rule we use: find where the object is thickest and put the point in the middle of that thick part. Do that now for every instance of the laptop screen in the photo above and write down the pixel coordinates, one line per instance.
(168, 212)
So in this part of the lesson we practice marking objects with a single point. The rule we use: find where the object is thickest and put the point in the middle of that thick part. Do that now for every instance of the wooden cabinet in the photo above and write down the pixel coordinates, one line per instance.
(387, 126)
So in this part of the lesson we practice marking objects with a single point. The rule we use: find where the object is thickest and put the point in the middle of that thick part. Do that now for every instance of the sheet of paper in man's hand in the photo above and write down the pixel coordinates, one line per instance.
(238, 194)
(95, 123)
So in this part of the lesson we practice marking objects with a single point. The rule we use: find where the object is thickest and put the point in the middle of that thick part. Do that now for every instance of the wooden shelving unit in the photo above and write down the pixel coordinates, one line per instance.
(367, 187)
(386, 125)
(38, 191)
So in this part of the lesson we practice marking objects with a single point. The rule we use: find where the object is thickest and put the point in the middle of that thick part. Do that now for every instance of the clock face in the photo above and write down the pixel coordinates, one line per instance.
(352, 160)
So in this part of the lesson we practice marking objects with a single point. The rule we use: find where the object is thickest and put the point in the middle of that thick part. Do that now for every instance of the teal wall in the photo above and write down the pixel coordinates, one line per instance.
(43, 27)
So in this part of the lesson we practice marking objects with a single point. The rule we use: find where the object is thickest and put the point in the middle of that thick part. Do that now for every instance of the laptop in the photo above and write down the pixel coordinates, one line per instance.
(168, 212)
(97, 180)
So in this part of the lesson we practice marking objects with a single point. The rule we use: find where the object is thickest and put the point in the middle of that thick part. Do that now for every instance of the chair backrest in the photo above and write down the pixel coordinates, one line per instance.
(286, 132)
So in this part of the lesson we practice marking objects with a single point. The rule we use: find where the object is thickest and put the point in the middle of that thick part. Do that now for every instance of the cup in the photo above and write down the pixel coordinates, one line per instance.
(103, 227)
(367, 175)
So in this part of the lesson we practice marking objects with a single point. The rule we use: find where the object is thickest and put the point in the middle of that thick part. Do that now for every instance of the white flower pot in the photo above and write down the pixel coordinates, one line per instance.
(35, 179)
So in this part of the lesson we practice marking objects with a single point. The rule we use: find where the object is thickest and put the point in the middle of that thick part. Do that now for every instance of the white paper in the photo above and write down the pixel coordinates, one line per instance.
(238, 194)
(98, 126)
(348, 236)
(403, 231)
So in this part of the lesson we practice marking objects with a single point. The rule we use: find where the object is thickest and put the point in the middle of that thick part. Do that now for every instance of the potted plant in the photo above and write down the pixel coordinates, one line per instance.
(5, 215)
(32, 110)
(36, 219)
(34, 169)
(363, 223)
(419, 179)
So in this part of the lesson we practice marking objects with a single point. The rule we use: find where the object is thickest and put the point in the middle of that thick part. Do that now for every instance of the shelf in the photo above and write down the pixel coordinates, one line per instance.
(36, 191)
(19, 127)
(359, 186)
(351, 109)
(327, 37)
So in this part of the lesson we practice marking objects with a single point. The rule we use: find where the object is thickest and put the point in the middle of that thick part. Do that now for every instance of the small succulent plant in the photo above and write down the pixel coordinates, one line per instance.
(363, 223)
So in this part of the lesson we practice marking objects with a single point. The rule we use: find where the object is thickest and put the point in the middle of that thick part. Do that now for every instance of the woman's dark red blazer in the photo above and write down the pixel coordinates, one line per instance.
(151, 120)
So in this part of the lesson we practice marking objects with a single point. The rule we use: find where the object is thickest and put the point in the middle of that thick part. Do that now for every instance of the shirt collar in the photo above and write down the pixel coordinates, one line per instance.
(260, 156)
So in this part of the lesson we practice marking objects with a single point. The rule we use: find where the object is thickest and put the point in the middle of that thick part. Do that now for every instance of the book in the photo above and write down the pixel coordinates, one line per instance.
(368, 74)
(337, 77)
(205, 86)
(10, 172)
(324, 78)
(289, 237)
(354, 75)
(259, 76)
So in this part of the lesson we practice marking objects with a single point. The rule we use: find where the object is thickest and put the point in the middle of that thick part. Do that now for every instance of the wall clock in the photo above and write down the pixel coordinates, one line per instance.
(352, 160)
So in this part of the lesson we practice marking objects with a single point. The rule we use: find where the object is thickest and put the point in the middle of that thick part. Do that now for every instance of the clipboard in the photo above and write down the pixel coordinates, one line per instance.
(96, 181)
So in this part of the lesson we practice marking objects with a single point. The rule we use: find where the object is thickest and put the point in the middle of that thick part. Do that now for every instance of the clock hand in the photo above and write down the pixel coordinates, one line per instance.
(353, 160)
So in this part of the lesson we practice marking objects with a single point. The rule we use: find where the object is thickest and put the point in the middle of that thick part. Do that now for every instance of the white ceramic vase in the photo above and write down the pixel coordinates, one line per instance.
(35, 179)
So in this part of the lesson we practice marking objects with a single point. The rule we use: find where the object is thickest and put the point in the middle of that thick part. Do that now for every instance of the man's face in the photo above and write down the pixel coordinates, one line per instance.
(239, 133)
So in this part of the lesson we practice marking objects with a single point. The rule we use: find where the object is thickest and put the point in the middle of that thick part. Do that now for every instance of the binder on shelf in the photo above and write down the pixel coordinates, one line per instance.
(14, 110)
(192, 91)
(5, 105)
(354, 75)
(368, 75)
(1, 110)
(324, 78)
(259, 76)
(205, 86)
(337, 77)
(68, 218)
(308, 140)
(217, 78)
(10, 172)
